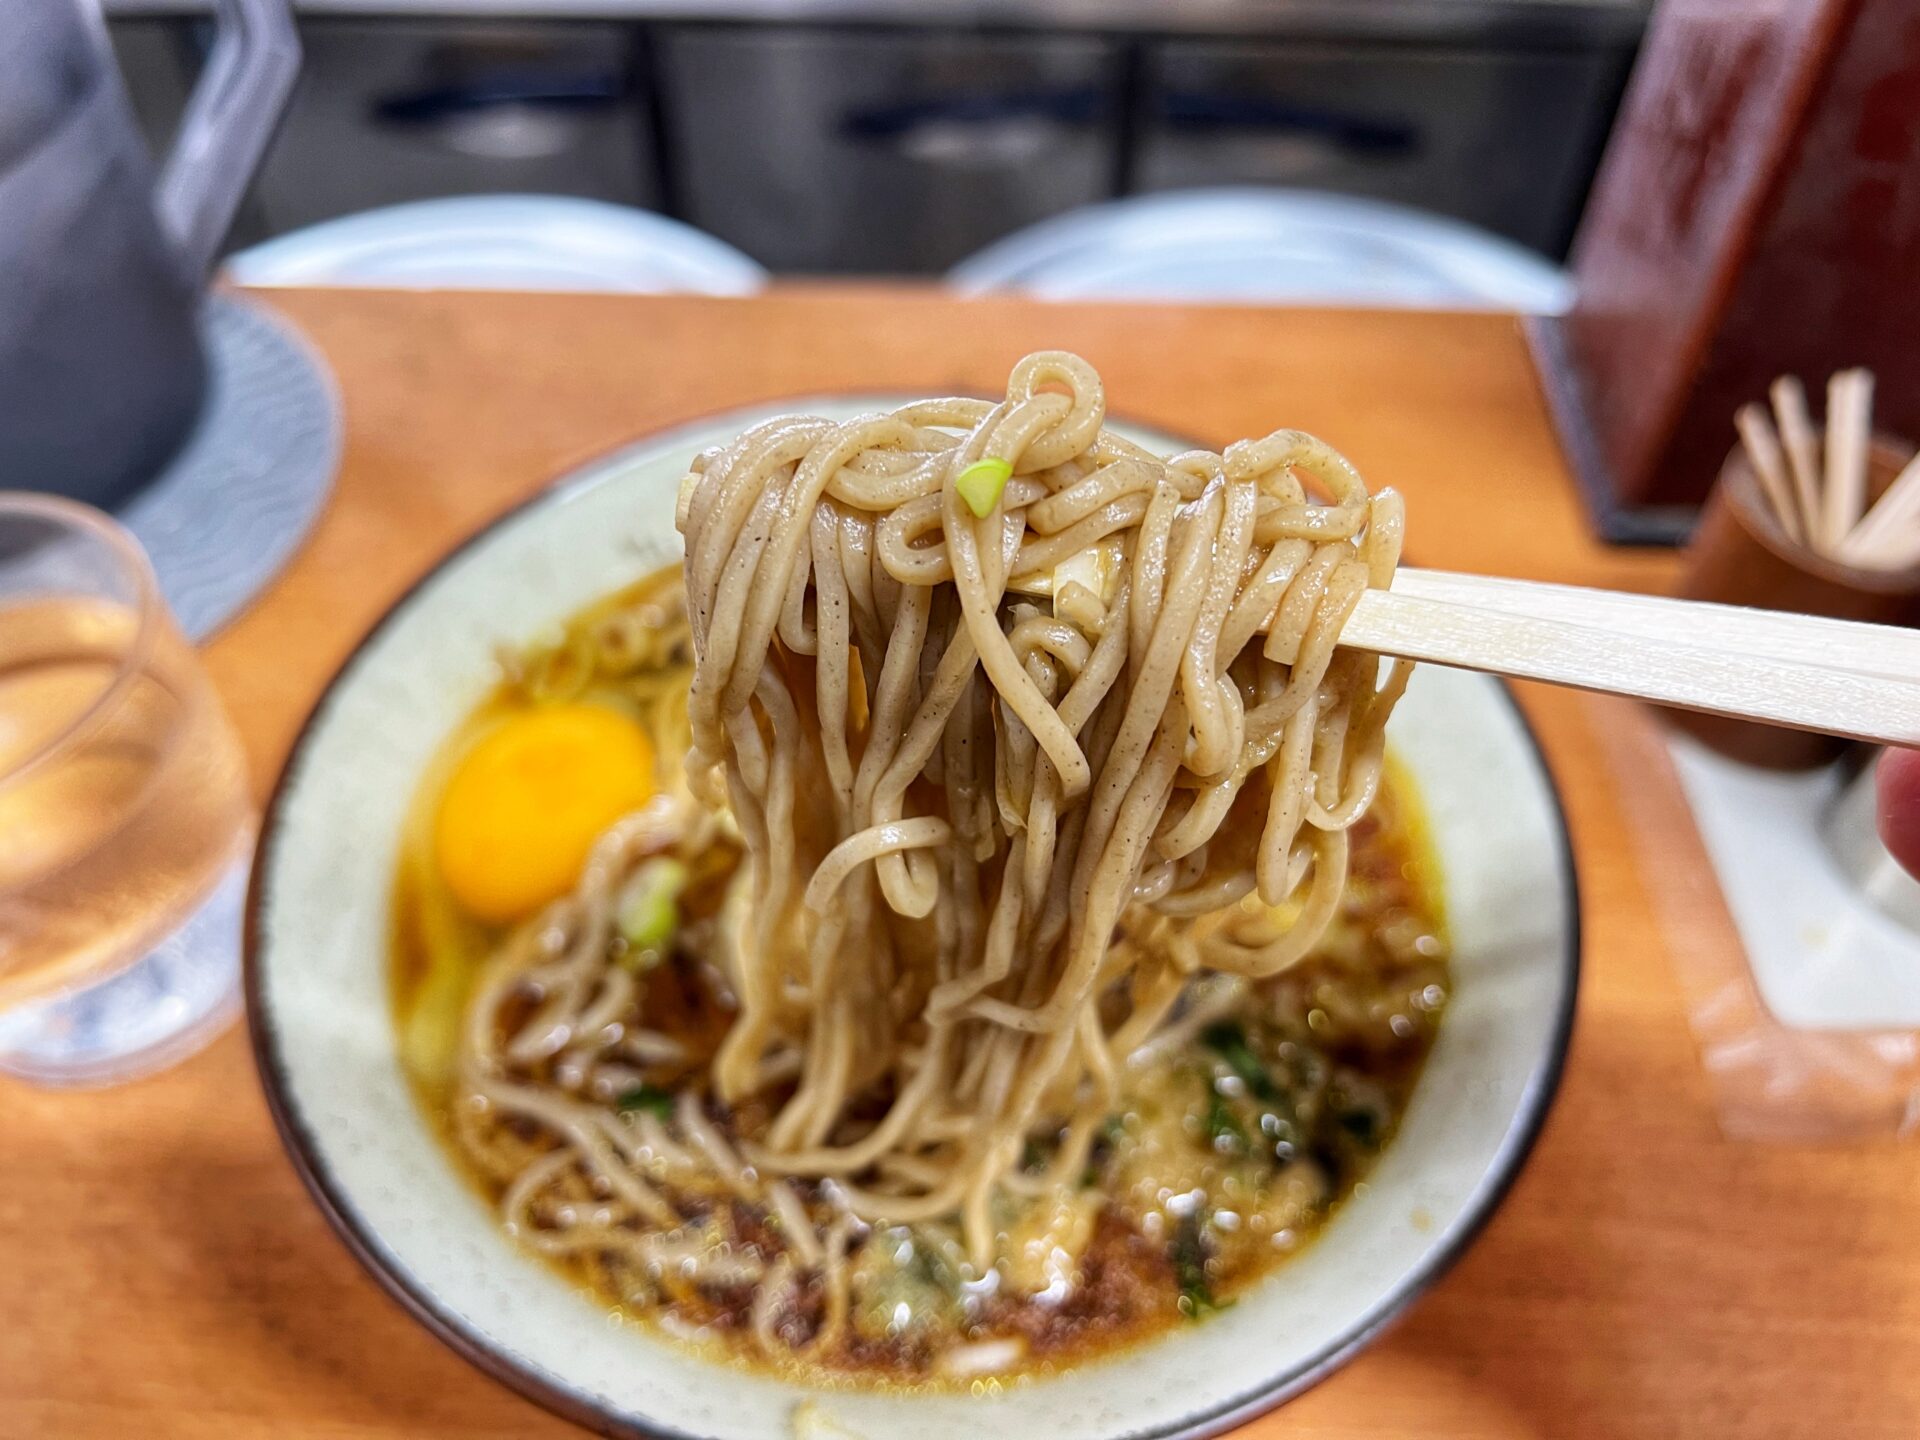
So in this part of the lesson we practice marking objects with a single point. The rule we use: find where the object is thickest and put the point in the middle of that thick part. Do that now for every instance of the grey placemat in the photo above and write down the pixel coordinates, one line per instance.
(234, 505)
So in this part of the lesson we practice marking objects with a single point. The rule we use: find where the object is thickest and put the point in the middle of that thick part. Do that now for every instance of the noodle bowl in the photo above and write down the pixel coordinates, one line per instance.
(1007, 772)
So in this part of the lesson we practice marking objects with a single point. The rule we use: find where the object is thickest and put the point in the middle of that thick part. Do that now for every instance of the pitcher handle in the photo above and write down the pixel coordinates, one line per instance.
(229, 121)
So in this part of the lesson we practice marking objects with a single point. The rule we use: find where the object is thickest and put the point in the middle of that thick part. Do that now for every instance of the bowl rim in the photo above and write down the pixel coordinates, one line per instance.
(584, 1409)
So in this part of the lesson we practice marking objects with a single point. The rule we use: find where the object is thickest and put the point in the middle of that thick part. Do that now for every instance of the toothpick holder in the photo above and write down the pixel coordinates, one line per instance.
(1740, 555)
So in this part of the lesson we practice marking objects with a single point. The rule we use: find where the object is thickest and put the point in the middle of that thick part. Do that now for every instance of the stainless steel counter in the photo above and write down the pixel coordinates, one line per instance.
(1487, 21)
(899, 136)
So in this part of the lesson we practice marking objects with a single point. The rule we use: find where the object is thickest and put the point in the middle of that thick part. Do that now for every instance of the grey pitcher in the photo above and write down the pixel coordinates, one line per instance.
(101, 265)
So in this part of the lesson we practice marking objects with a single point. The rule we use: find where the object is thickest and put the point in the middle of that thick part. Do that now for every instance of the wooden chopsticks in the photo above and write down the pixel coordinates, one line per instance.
(1818, 490)
(1842, 677)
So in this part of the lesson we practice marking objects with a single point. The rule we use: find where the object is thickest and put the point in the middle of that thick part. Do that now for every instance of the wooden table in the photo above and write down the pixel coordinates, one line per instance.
(164, 1274)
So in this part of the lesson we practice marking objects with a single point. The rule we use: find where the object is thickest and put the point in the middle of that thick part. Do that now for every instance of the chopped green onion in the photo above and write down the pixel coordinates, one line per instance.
(648, 913)
(646, 1097)
(1224, 1130)
(930, 1263)
(1101, 1152)
(1188, 1252)
(1229, 1042)
(980, 485)
(1367, 1127)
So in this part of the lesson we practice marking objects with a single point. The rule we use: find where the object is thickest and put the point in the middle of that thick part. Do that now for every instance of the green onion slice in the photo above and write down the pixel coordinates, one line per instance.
(647, 913)
(980, 484)
(649, 1098)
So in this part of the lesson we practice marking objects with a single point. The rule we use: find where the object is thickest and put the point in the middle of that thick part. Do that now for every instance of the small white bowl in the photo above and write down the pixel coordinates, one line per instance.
(317, 1002)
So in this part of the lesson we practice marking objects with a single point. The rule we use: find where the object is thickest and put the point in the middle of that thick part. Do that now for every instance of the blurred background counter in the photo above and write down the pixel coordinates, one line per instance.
(768, 124)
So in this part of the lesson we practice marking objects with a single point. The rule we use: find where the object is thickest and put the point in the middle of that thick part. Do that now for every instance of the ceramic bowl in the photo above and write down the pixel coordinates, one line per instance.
(318, 1005)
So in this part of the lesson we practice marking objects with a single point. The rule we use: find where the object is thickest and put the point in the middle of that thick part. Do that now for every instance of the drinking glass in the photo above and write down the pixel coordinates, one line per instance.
(125, 823)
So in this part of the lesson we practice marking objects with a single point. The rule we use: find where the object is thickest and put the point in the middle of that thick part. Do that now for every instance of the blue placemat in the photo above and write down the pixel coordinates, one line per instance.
(228, 513)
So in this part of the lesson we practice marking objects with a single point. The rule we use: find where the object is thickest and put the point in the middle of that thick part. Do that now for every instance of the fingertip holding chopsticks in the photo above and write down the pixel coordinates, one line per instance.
(1816, 486)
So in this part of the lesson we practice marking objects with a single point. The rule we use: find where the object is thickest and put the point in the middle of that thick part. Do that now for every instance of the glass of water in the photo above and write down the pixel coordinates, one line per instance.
(125, 822)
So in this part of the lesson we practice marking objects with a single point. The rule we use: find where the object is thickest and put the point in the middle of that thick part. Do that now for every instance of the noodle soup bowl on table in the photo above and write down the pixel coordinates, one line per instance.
(521, 1004)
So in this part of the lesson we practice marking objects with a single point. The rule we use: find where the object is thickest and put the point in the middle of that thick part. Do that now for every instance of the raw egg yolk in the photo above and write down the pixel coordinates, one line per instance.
(526, 803)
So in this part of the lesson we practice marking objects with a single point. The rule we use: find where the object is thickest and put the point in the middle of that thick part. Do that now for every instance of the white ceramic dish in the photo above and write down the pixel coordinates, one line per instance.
(317, 998)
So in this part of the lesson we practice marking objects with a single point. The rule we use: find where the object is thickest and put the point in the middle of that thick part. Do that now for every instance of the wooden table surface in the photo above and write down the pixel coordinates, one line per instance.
(164, 1274)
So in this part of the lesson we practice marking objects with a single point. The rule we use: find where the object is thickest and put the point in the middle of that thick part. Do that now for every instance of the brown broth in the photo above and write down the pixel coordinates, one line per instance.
(1226, 1158)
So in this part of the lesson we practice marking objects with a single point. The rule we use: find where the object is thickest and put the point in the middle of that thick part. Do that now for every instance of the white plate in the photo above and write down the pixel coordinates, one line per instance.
(1267, 245)
(317, 999)
(503, 242)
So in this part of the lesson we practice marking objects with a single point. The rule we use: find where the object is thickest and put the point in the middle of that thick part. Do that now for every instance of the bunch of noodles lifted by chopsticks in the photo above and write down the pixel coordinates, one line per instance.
(1025, 728)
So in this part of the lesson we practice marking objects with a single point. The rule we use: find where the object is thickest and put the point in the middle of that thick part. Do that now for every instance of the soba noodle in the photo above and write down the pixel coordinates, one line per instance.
(1025, 798)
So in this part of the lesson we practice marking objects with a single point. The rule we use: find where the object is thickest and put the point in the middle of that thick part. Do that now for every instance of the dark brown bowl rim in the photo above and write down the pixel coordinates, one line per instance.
(584, 1409)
